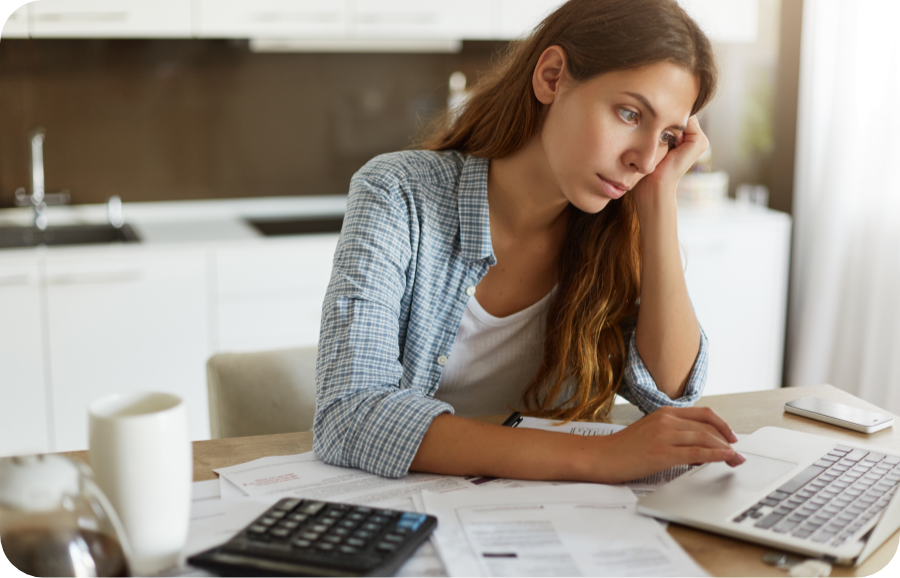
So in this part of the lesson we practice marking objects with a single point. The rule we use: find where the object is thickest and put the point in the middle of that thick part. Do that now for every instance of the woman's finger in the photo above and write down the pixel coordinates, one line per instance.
(699, 426)
(698, 439)
(699, 455)
(706, 415)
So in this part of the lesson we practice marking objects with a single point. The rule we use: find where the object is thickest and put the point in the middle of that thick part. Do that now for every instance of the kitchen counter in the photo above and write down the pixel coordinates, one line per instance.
(183, 222)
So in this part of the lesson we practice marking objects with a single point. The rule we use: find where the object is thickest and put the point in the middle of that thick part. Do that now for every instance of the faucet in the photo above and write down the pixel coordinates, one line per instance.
(39, 198)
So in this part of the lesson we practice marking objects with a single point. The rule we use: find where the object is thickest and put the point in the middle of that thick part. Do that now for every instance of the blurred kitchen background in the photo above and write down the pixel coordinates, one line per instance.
(196, 154)
(191, 104)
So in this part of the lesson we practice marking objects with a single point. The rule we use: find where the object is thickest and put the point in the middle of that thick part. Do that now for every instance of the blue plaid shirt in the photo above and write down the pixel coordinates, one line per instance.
(416, 234)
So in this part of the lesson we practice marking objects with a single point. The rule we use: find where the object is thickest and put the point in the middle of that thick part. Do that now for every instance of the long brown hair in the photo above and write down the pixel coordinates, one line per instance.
(600, 262)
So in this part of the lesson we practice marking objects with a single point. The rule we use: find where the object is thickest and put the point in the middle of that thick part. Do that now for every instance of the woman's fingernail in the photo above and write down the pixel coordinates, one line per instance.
(741, 459)
(734, 437)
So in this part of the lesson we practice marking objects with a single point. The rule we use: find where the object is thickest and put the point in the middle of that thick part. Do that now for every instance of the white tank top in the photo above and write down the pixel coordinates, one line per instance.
(493, 359)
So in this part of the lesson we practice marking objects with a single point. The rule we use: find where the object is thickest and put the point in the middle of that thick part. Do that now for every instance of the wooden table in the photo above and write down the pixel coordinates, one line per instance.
(744, 412)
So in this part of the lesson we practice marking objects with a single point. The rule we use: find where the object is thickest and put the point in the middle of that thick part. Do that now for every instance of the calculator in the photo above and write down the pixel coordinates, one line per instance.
(298, 537)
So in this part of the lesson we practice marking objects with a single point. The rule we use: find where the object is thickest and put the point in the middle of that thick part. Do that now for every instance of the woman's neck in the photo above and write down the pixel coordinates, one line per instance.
(523, 197)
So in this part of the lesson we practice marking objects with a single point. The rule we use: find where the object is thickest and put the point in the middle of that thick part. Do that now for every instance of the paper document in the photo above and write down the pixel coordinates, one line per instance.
(306, 476)
(573, 530)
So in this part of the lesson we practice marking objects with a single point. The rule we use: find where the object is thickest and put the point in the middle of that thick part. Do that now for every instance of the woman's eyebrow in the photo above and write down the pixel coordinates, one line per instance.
(643, 100)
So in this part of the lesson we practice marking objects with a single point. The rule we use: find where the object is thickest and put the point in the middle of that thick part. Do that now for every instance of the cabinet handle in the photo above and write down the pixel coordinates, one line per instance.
(107, 277)
(104, 17)
(14, 280)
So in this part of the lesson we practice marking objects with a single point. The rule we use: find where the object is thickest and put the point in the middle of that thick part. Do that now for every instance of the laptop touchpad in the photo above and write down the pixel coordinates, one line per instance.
(756, 473)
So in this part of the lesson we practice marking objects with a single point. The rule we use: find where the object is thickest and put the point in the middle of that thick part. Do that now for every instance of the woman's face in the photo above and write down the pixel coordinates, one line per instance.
(604, 135)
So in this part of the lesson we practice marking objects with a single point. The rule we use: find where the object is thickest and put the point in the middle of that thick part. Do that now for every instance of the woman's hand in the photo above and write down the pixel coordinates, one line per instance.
(665, 438)
(662, 181)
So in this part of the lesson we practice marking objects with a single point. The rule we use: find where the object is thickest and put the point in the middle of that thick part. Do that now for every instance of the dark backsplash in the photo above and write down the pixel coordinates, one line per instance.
(156, 120)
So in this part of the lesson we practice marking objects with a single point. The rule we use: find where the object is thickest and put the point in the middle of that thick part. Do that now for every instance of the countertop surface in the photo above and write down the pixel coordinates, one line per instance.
(183, 222)
(217, 221)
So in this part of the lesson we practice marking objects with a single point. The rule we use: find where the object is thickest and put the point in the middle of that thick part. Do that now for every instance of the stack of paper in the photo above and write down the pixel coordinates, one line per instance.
(486, 526)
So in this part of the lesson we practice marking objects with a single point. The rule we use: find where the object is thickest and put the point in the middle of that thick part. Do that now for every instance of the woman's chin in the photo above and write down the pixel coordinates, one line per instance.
(591, 202)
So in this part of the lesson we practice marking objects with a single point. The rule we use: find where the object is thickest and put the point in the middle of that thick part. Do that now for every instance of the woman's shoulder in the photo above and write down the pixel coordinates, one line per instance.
(413, 167)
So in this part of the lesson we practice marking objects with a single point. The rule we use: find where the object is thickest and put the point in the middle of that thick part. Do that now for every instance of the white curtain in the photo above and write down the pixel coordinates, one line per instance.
(845, 289)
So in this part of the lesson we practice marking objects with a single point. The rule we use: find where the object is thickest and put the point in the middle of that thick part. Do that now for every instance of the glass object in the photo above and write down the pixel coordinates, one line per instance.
(55, 521)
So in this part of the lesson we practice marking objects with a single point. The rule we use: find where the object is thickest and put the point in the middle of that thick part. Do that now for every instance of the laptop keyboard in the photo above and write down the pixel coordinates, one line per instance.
(831, 500)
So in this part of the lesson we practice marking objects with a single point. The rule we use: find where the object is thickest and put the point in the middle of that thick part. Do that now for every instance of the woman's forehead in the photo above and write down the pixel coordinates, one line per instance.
(669, 89)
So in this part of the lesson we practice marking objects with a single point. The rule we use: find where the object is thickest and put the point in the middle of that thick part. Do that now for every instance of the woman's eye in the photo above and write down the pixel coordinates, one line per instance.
(668, 139)
(628, 116)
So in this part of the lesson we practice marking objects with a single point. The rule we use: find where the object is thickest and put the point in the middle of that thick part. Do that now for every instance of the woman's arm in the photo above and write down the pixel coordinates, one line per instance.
(667, 334)
(665, 438)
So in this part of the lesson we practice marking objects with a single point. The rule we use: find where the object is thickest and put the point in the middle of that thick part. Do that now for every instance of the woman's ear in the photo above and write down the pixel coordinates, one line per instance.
(548, 73)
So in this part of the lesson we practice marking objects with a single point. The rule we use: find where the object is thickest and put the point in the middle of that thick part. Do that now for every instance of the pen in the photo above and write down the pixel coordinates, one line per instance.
(513, 420)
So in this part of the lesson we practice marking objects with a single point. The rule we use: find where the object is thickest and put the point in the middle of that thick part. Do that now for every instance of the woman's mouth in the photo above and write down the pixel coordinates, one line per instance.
(612, 189)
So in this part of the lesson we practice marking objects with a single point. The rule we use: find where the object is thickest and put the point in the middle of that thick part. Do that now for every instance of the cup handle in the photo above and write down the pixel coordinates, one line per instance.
(94, 490)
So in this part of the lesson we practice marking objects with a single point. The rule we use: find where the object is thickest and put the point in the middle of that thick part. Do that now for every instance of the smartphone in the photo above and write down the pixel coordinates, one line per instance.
(839, 414)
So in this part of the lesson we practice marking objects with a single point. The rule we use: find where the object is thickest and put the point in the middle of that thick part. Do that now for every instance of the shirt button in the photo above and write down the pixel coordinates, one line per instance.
(470, 290)
(442, 360)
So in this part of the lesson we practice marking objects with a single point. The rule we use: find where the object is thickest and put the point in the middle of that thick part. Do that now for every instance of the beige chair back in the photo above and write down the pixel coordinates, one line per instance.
(268, 392)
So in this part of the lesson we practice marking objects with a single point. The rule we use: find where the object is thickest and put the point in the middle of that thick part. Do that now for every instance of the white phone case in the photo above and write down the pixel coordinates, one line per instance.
(838, 422)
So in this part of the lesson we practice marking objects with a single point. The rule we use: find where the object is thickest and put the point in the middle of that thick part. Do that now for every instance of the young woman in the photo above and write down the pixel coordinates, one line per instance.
(528, 258)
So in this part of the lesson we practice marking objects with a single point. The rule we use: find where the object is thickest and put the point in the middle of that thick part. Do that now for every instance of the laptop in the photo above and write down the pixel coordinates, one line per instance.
(798, 492)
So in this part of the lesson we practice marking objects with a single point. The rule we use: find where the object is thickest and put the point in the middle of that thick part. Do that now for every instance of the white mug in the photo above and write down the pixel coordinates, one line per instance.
(142, 459)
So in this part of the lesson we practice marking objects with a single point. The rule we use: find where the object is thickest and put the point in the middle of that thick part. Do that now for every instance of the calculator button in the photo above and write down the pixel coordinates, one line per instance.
(363, 534)
(325, 546)
(298, 517)
(267, 521)
(277, 514)
(288, 504)
(310, 535)
(334, 513)
(378, 519)
(401, 531)
(340, 531)
(301, 543)
(312, 508)
(348, 550)
(386, 547)
(393, 538)
(319, 528)
(347, 524)
(371, 527)
(257, 529)
(328, 521)
(280, 533)
(356, 516)
(356, 542)
(332, 539)
(289, 525)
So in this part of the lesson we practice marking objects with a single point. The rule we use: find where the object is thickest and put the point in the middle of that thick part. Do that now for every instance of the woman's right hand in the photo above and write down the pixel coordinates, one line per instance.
(667, 437)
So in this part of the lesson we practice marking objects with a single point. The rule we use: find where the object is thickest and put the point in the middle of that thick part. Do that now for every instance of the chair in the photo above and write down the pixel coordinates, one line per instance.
(268, 392)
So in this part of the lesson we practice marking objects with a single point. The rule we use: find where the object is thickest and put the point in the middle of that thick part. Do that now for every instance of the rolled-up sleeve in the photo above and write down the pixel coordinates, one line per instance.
(638, 386)
(364, 417)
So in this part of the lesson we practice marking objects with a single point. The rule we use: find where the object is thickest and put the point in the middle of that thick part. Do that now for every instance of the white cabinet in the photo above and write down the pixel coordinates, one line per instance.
(737, 276)
(23, 401)
(518, 17)
(421, 19)
(111, 18)
(123, 321)
(270, 296)
(16, 25)
(271, 18)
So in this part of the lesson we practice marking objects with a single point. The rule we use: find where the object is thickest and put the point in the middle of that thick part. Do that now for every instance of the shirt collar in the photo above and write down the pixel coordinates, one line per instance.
(474, 215)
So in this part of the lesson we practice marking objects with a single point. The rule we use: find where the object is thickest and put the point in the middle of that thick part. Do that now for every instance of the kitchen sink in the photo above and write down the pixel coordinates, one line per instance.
(297, 225)
(11, 237)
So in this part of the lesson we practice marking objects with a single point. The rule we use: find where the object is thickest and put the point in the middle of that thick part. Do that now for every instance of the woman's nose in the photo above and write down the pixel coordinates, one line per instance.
(641, 157)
